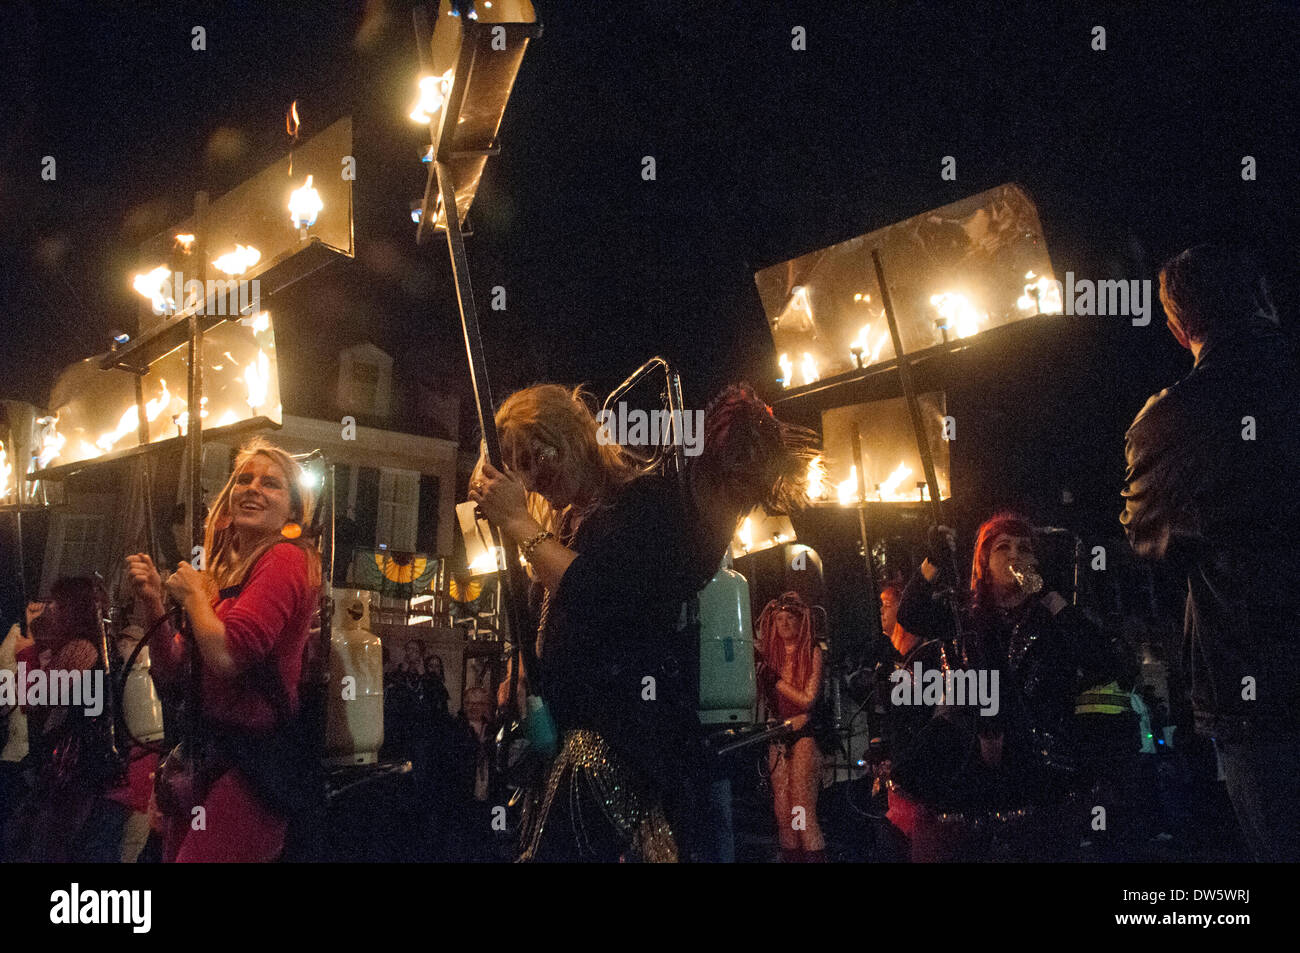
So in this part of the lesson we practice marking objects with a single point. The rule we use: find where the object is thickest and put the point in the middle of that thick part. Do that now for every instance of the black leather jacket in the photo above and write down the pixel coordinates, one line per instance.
(1211, 488)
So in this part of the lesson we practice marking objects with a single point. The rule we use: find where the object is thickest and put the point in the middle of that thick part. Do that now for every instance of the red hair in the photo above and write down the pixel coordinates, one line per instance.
(1006, 522)
(772, 648)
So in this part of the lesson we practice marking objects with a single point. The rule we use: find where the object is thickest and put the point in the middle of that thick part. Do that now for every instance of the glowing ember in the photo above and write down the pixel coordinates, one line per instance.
(959, 314)
(241, 259)
(304, 205)
(150, 284)
(433, 93)
(847, 491)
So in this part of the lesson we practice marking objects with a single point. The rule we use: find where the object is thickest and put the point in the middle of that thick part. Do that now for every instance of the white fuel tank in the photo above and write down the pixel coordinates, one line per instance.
(354, 726)
(728, 689)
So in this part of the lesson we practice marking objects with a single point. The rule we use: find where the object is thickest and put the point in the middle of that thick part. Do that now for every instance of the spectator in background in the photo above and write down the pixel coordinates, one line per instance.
(73, 817)
(13, 722)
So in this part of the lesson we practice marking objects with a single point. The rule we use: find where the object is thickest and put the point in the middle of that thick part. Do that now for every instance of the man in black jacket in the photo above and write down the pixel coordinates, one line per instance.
(1212, 465)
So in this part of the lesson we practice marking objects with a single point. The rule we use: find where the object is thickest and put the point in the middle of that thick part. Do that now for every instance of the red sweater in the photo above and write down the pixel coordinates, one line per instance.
(268, 620)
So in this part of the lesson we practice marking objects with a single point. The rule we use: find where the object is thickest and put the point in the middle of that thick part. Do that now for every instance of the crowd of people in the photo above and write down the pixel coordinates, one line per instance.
(613, 555)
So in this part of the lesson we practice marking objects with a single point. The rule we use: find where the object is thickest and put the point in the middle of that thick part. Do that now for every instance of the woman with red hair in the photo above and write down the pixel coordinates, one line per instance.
(790, 671)
(1043, 653)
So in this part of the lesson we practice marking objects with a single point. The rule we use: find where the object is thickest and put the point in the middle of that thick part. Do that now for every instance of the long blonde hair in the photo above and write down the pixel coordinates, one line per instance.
(553, 425)
(228, 567)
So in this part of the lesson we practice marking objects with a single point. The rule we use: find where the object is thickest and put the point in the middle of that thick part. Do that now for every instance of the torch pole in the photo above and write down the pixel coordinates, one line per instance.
(194, 452)
(512, 574)
(862, 516)
(918, 428)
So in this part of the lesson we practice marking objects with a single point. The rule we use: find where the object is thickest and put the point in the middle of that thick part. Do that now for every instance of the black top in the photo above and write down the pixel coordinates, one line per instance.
(613, 626)
(1043, 662)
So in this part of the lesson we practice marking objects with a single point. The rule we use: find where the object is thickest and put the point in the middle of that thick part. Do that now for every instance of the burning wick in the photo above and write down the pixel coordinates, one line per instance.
(304, 205)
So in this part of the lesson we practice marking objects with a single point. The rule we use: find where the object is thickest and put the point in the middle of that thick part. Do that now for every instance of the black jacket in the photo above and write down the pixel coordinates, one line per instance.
(614, 622)
(1043, 662)
(1214, 494)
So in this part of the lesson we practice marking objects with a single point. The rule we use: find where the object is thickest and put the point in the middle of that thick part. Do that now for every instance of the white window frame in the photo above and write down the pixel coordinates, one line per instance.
(397, 516)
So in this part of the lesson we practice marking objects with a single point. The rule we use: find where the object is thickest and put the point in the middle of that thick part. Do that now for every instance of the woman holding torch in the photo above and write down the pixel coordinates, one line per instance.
(616, 668)
(249, 614)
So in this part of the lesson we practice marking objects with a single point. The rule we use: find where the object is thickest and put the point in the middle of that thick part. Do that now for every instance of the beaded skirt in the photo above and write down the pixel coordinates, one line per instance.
(592, 809)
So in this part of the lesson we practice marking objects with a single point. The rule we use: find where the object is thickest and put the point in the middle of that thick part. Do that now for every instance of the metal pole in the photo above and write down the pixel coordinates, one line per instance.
(918, 428)
(909, 391)
(512, 577)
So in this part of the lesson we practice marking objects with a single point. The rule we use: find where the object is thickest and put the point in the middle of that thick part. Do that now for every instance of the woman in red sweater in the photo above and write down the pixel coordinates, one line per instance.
(249, 613)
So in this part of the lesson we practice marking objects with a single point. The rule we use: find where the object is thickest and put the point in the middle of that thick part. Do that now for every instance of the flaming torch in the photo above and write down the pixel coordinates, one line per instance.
(151, 285)
(6, 473)
(242, 258)
(304, 205)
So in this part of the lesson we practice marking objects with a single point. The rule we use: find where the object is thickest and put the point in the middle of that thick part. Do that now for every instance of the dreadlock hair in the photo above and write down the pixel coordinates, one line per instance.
(772, 648)
(758, 459)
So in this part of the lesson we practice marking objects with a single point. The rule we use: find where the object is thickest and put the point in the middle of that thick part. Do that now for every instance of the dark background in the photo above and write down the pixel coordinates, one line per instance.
(762, 153)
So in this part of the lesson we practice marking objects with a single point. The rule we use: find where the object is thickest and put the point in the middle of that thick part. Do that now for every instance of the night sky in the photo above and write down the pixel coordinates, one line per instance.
(762, 153)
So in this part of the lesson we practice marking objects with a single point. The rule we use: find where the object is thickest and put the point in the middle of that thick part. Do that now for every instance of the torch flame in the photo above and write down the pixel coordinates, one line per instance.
(808, 367)
(51, 442)
(240, 260)
(184, 242)
(746, 534)
(433, 93)
(130, 420)
(304, 205)
(6, 472)
(816, 478)
(1042, 296)
(787, 370)
(847, 491)
(150, 284)
(889, 488)
(960, 315)
(258, 377)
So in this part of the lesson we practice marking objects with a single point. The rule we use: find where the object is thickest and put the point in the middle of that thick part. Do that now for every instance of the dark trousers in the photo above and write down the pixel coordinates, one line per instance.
(1262, 770)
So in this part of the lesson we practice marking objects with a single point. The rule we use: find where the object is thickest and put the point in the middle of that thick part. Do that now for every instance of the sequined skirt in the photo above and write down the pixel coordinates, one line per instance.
(592, 809)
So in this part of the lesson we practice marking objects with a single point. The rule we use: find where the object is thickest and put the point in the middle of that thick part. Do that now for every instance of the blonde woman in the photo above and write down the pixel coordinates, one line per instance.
(249, 614)
(619, 557)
